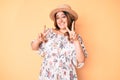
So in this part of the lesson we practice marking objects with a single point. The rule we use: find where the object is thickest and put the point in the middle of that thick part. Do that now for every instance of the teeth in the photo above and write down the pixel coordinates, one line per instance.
(62, 23)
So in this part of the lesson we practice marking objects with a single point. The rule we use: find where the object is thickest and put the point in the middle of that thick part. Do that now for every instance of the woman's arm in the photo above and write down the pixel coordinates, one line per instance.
(79, 52)
(35, 44)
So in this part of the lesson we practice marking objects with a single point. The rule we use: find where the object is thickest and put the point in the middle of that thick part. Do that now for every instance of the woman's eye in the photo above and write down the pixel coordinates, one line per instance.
(63, 16)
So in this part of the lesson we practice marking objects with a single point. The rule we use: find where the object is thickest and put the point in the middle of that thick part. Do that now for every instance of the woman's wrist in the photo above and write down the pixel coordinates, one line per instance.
(38, 41)
(75, 41)
(35, 44)
(75, 38)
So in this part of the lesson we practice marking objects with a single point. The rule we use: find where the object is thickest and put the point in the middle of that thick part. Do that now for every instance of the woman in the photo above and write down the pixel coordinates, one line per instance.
(62, 48)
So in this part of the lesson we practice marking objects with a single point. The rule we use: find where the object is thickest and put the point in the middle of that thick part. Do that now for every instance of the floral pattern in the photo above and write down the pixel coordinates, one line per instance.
(59, 58)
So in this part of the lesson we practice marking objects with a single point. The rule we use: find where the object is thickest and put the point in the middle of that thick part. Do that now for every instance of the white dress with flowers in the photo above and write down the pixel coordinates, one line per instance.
(59, 61)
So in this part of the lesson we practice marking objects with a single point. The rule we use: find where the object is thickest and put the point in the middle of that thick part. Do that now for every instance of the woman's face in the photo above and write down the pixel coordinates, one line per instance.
(61, 20)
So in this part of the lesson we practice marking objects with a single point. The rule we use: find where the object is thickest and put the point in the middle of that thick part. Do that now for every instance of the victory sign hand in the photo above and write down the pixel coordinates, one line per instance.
(42, 36)
(72, 32)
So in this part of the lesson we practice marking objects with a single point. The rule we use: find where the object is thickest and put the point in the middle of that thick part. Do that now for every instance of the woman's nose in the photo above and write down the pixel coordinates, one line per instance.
(60, 20)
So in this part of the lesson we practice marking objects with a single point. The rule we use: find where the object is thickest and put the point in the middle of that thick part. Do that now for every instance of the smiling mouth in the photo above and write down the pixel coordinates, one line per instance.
(62, 23)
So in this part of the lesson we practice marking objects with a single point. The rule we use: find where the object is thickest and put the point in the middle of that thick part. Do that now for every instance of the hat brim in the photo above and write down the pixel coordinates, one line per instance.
(70, 11)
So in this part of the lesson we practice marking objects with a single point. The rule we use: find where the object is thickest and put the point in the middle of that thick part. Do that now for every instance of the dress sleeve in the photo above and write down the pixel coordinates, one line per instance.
(41, 50)
(74, 59)
(83, 46)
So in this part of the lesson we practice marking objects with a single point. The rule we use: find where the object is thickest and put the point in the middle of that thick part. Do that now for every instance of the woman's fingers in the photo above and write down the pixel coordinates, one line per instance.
(67, 29)
(42, 36)
(38, 35)
(39, 38)
(72, 31)
(45, 31)
(73, 25)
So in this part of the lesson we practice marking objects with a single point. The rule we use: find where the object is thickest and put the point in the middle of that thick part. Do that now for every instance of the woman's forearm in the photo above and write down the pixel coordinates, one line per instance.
(79, 51)
(35, 44)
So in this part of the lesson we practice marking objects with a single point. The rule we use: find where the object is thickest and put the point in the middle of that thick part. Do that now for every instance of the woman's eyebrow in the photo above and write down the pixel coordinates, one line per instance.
(61, 15)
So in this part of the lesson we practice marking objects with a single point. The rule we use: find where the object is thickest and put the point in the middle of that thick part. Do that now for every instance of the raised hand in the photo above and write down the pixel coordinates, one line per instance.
(42, 36)
(72, 31)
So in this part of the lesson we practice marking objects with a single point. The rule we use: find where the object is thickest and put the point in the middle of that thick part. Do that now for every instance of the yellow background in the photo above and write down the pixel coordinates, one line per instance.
(22, 20)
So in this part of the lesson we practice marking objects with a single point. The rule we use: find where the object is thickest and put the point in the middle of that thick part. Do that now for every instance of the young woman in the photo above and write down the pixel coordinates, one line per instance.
(62, 48)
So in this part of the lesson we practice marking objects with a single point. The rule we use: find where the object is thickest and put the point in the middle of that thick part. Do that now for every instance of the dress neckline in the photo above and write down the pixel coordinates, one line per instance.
(57, 33)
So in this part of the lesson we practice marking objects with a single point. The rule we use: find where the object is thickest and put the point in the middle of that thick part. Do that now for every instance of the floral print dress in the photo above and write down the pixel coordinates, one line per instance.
(59, 61)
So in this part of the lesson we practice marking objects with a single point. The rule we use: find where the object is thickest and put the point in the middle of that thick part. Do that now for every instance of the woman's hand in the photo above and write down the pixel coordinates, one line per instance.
(42, 36)
(78, 47)
(72, 32)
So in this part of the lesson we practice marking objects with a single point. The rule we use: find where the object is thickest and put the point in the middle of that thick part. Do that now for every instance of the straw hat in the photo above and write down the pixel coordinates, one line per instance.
(66, 8)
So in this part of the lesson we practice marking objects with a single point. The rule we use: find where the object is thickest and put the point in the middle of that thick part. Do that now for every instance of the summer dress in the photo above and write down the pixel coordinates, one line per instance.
(59, 61)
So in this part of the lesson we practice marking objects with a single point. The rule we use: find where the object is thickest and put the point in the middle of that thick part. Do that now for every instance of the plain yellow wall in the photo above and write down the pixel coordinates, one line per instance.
(22, 20)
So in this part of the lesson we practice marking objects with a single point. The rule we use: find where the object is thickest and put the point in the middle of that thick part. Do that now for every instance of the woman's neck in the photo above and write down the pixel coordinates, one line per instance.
(63, 31)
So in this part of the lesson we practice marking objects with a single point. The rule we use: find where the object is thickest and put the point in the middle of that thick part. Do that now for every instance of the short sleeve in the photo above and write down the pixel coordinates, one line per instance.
(83, 46)
(41, 50)
(75, 62)
(74, 59)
